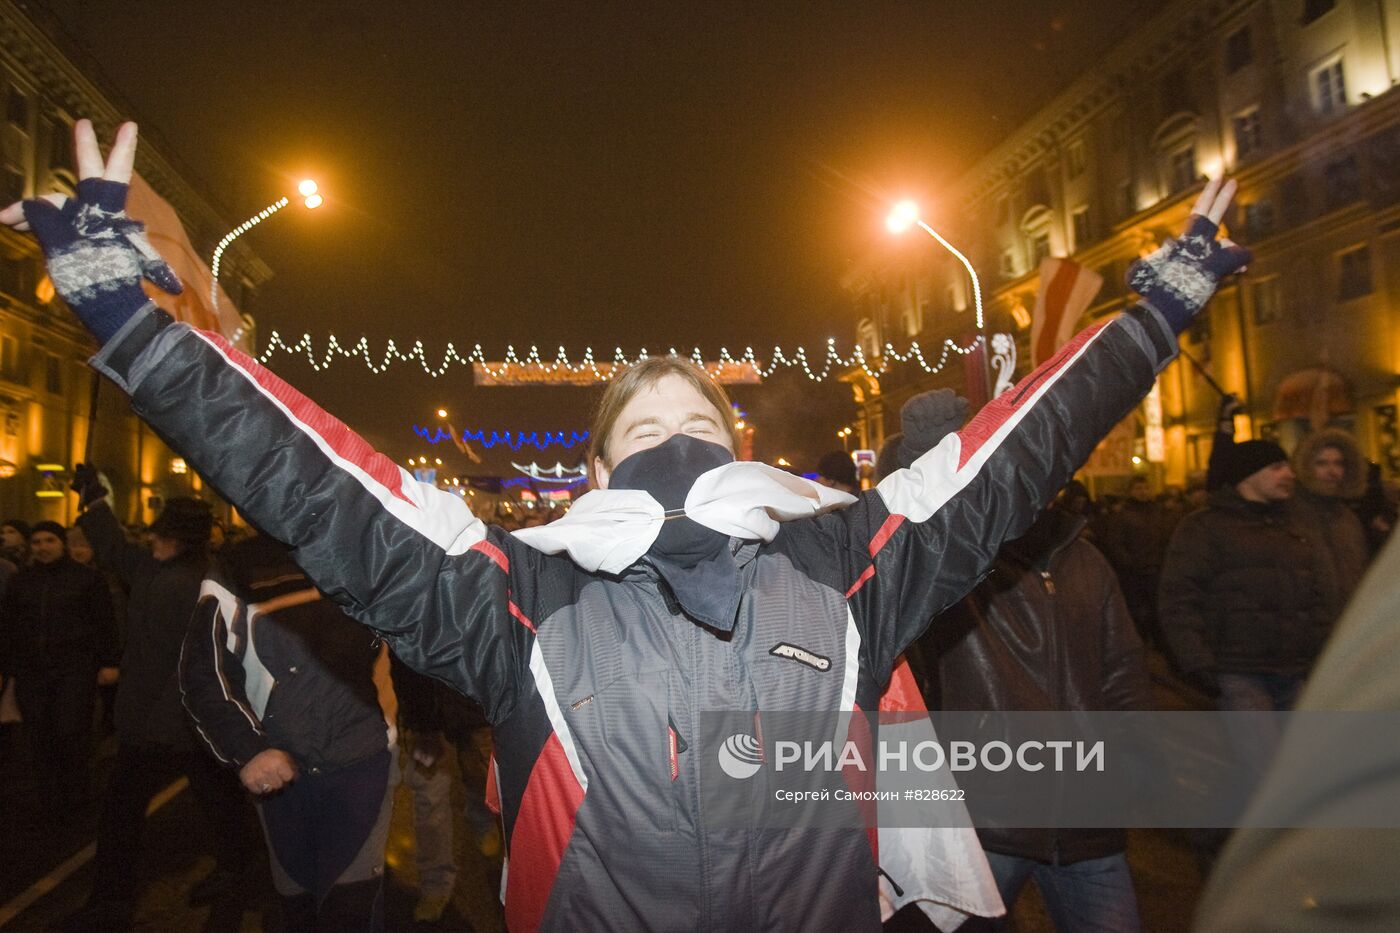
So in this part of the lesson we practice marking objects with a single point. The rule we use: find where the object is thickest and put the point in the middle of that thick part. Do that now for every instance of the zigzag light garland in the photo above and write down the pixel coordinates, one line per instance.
(512, 439)
(335, 349)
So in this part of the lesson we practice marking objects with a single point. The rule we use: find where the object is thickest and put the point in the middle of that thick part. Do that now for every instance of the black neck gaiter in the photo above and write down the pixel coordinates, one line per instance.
(693, 560)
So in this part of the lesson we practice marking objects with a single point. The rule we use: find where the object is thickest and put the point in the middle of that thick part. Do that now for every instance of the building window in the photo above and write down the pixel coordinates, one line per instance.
(1247, 132)
(9, 358)
(1080, 221)
(1040, 247)
(1342, 182)
(1127, 199)
(1239, 50)
(1268, 300)
(1354, 278)
(1330, 88)
(17, 108)
(1258, 219)
(1075, 158)
(53, 375)
(1181, 169)
(1008, 263)
(1314, 9)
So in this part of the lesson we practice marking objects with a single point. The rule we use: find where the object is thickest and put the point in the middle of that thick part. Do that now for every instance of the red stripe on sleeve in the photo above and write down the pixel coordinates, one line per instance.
(1000, 409)
(543, 827)
(346, 443)
(882, 536)
(520, 616)
(498, 556)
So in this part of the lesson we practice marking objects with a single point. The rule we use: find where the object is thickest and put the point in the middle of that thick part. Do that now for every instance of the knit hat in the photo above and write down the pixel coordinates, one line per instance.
(20, 525)
(1244, 460)
(838, 467)
(184, 519)
(53, 528)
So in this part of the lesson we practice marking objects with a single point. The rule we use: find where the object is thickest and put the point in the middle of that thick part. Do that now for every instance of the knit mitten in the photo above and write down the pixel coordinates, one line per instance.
(97, 255)
(1179, 278)
(926, 419)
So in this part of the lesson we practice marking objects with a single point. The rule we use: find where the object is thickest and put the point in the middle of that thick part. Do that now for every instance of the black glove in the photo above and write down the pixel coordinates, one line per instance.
(926, 419)
(87, 483)
(1203, 681)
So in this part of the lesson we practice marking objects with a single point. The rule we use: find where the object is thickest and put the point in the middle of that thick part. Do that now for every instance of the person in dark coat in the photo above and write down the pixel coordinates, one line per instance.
(156, 743)
(1134, 539)
(1242, 599)
(1331, 472)
(59, 639)
(1047, 630)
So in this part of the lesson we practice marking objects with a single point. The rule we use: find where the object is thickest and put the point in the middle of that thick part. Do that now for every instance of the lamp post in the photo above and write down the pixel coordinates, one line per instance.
(905, 215)
(311, 199)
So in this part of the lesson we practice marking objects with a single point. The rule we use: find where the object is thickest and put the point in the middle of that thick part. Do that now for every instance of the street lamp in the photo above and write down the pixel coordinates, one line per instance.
(904, 215)
(310, 199)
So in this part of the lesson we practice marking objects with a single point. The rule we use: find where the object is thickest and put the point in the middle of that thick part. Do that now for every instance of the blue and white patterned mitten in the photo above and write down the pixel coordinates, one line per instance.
(1180, 277)
(97, 255)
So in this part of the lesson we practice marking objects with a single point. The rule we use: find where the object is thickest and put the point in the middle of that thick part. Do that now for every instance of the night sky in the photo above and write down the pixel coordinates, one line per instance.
(578, 173)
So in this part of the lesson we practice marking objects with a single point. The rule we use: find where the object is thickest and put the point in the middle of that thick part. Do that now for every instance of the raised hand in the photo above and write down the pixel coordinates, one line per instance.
(1180, 277)
(97, 255)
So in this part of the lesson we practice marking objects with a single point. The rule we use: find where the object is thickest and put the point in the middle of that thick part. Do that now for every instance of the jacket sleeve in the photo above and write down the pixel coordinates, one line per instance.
(926, 535)
(405, 558)
(131, 562)
(1183, 596)
(1127, 686)
(212, 678)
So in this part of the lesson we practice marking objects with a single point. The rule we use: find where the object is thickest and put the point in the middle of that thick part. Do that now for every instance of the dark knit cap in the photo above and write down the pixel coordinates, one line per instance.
(53, 528)
(1244, 460)
(20, 525)
(184, 519)
(838, 467)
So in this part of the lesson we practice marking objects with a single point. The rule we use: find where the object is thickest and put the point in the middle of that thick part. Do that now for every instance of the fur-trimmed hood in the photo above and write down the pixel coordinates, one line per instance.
(1354, 482)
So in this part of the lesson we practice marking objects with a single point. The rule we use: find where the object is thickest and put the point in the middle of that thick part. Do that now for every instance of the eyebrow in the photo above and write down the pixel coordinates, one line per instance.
(690, 417)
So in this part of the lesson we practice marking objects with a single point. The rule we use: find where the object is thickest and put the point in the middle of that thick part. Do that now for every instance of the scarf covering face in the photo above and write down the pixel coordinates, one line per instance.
(677, 505)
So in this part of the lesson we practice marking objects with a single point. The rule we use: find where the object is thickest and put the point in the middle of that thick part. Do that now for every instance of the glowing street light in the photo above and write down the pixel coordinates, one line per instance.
(442, 413)
(905, 215)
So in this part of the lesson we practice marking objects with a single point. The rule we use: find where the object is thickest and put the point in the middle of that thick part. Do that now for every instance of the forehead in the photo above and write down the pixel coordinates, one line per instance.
(669, 396)
(43, 537)
(1330, 452)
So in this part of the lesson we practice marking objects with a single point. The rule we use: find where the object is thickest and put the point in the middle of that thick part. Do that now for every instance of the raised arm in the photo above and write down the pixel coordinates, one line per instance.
(925, 535)
(405, 558)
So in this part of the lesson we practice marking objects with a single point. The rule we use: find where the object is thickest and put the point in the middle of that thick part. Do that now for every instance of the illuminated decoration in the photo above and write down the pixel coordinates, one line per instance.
(7, 469)
(592, 372)
(555, 474)
(514, 441)
(178, 466)
(508, 373)
(43, 292)
(1004, 363)
(50, 467)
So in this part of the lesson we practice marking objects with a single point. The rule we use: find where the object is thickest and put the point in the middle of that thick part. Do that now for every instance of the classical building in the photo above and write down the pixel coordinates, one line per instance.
(45, 384)
(1293, 98)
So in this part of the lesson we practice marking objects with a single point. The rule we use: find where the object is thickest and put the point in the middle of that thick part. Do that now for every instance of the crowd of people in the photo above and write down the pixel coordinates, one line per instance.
(689, 582)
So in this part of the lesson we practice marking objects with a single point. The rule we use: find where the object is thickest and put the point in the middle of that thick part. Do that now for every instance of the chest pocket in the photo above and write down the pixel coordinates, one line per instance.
(622, 727)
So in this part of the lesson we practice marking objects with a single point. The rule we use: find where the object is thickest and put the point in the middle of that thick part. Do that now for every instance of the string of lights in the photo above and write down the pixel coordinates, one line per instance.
(512, 439)
(604, 371)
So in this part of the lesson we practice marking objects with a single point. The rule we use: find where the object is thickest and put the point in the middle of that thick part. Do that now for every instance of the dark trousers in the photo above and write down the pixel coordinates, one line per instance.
(138, 774)
(57, 711)
(326, 833)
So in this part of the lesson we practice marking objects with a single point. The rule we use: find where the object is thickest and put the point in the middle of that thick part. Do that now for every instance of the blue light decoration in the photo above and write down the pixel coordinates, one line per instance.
(514, 440)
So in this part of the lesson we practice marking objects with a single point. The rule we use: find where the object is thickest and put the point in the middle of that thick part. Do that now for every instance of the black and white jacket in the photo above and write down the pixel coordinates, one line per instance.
(585, 675)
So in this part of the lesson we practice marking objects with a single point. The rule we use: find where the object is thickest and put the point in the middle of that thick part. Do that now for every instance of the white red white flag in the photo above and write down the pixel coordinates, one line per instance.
(1066, 289)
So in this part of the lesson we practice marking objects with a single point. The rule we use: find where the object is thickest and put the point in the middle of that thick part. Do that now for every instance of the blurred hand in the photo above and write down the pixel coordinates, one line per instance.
(268, 772)
(427, 748)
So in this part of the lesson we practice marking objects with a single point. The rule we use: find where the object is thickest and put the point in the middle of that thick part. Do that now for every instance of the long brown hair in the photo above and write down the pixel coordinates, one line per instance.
(643, 375)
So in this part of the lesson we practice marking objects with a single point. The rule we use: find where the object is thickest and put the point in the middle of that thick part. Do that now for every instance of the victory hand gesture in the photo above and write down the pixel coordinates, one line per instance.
(97, 255)
(1180, 278)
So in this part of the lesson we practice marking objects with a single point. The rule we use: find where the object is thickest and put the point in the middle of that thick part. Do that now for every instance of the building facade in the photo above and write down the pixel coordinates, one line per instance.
(1295, 100)
(45, 384)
